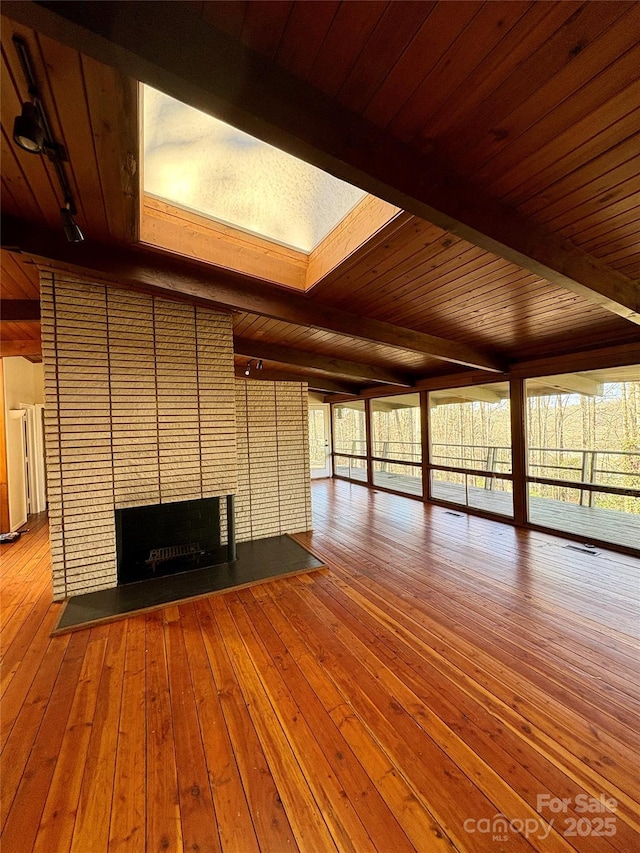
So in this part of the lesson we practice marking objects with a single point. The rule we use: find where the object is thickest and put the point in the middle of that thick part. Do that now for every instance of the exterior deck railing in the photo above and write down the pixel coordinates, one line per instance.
(613, 471)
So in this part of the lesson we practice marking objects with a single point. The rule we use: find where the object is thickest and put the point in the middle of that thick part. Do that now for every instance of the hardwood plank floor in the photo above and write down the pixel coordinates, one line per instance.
(444, 671)
(606, 525)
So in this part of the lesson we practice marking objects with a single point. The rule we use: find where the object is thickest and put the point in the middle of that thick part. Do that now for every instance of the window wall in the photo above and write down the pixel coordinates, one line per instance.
(583, 457)
(350, 440)
(470, 447)
(396, 437)
(572, 465)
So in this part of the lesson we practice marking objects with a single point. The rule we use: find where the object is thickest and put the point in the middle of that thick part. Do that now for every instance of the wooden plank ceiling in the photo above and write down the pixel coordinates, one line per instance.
(535, 104)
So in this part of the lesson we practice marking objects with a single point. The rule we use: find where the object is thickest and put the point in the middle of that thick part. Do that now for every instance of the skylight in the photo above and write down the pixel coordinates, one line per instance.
(198, 162)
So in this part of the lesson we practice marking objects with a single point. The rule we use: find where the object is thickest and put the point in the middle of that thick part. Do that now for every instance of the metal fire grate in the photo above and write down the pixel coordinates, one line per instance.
(170, 552)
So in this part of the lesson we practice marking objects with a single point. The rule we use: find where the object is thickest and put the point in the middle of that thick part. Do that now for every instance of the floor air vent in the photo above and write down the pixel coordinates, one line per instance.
(582, 549)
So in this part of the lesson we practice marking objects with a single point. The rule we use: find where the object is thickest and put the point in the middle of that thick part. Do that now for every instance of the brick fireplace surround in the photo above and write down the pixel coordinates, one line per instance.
(142, 407)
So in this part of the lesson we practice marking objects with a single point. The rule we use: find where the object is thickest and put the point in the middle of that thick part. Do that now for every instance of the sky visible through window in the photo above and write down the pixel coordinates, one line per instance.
(198, 162)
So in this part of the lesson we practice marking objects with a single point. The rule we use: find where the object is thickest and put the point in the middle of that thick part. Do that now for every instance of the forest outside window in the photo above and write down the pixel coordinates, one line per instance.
(350, 441)
(470, 447)
(584, 454)
(397, 443)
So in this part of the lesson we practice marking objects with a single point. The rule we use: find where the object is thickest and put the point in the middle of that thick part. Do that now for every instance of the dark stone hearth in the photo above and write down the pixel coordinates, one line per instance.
(257, 561)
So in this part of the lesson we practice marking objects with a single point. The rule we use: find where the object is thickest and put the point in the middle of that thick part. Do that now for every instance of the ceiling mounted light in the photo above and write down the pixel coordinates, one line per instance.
(32, 132)
(72, 231)
(28, 131)
(257, 363)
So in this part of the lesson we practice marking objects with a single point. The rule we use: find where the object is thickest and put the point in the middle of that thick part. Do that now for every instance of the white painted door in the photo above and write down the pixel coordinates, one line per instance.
(35, 457)
(17, 468)
(319, 440)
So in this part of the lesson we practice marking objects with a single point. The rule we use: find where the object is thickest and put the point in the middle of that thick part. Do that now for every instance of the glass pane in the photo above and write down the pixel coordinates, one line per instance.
(349, 435)
(341, 466)
(491, 494)
(471, 427)
(353, 469)
(395, 423)
(449, 486)
(400, 478)
(611, 518)
(585, 428)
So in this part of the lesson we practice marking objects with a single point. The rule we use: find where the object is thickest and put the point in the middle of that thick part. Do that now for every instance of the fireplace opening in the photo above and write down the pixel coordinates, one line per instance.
(163, 539)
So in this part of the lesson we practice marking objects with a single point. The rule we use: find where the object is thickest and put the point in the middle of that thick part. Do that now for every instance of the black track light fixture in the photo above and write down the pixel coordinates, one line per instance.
(72, 231)
(28, 131)
(32, 132)
(258, 365)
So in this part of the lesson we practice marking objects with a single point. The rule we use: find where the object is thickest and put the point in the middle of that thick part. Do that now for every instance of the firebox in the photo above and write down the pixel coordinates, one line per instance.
(163, 539)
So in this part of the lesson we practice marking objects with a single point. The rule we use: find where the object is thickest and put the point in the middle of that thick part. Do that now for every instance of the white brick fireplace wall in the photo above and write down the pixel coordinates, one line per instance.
(141, 405)
(274, 491)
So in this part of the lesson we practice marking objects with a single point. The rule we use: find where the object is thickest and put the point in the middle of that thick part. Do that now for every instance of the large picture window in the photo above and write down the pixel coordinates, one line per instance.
(470, 447)
(580, 437)
(583, 454)
(397, 443)
(350, 440)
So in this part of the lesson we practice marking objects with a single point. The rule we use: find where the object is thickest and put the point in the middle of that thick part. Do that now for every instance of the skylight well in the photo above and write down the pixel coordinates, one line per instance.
(200, 163)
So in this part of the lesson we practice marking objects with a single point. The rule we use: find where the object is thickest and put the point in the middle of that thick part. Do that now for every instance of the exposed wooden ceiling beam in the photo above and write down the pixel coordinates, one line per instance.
(440, 382)
(315, 383)
(193, 279)
(335, 366)
(26, 348)
(216, 74)
(19, 310)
